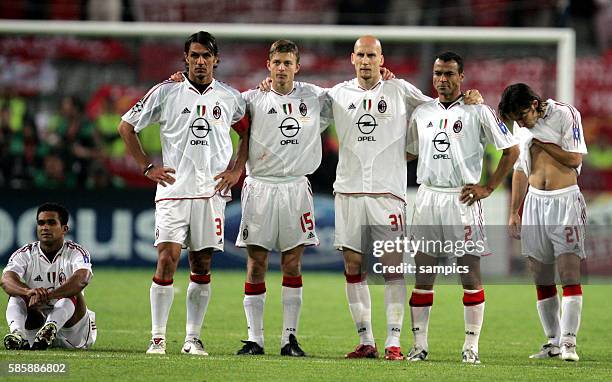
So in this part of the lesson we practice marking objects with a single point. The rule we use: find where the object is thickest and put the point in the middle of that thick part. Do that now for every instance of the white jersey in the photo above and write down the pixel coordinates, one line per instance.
(285, 133)
(35, 269)
(561, 125)
(371, 126)
(194, 133)
(450, 142)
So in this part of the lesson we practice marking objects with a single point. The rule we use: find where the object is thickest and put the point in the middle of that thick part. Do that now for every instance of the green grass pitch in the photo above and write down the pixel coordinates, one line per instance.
(511, 332)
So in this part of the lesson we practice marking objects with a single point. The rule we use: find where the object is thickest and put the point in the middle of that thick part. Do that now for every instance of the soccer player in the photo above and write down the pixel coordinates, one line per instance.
(449, 137)
(193, 183)
(370, 189)
(48, 308)
(554, 213)
(277, 204)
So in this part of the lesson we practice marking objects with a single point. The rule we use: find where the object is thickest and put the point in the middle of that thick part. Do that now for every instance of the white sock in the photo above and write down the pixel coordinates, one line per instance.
(254, 311)
(62, 310)
(292, 304)
(420, 309)
(161, 301)
(473, 315)
(358, 295)
(395, 303)
(16, 313)
(548, 310)
(198, 296)
(570, 316)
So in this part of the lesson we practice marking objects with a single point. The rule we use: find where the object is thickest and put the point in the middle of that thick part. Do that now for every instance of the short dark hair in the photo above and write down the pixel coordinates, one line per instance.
(451, 56)
(205, 39)
(54, 207)
(285, 46)
(516, 98)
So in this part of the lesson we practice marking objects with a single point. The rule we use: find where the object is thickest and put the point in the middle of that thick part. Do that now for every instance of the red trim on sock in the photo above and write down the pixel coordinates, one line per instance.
(254, 289)
(162, 282)
(572, 290)
(421, 299)
(546, 291)
(292, 281)
(470, 299)
(200, 279)
(353, 279)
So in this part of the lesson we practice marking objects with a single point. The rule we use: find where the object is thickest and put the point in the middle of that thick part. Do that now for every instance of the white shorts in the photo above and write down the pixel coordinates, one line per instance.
(193, 223)
(80, 336)
(277, 216)
(385, 213)
(441, 222)
(553, 223)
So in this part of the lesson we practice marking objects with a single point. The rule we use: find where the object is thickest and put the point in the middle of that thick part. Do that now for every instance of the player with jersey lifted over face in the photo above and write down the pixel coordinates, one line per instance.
(193, 182)
(277, 203)
(370, 189)
(553, 225)
(45, 281)
(449, 138)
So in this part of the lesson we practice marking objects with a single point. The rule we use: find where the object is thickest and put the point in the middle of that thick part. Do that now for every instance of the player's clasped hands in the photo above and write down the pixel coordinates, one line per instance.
(38, 297)
(161, 175)
(474, 192)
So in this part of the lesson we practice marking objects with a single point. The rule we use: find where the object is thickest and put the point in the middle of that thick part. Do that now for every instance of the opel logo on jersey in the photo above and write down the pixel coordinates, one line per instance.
(366, 124)
(200, 128)
(217, 112)
(303, 109)
(457, 126)
(289, 127)
(382, 106)
(441, 142)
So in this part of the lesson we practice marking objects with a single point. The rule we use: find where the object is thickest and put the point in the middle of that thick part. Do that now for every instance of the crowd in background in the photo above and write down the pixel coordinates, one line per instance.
(61, 99)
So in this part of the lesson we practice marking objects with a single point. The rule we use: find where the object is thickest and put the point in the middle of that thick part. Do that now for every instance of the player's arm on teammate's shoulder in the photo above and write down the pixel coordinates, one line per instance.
(566, 158)
(158, 174)
(177, 77)
(472, 97)
(73, 285)
(228, 178)
(519, 189)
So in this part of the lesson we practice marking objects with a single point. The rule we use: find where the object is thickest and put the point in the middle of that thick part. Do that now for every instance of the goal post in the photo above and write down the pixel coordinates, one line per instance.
(564, 38)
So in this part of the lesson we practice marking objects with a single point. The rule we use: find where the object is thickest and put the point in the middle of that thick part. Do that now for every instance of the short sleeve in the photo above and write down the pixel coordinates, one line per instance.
(327, 113)
(571, 128)
(18, 263)
(146, 111)
(240, 109)
(80, 258)
(412, 95)
(412, 137)
(495, 130)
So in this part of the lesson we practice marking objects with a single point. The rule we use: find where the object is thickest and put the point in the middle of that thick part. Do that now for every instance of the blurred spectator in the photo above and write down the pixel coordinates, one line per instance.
(100, 178)
(53, 174)
(73, 134)
(603, 20)
(104, 10)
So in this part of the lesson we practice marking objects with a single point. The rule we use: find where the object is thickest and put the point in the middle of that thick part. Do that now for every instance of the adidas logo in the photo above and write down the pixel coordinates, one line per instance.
(38, 278)
(352, 107)
(185, 111)
(430, 124)
(220, 241)
(272, 111)
(310, 235)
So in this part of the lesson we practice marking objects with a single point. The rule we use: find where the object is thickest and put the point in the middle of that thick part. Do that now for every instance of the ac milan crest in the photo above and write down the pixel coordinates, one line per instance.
(303, 109)
(457, 126)
(382, 106)
(217, 112)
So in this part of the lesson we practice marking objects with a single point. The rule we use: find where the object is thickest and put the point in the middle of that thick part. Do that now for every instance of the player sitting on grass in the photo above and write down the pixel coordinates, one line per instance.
(44, 280)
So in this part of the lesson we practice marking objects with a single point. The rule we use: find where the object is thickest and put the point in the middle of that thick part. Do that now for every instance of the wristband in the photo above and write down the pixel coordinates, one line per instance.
(149, 167)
